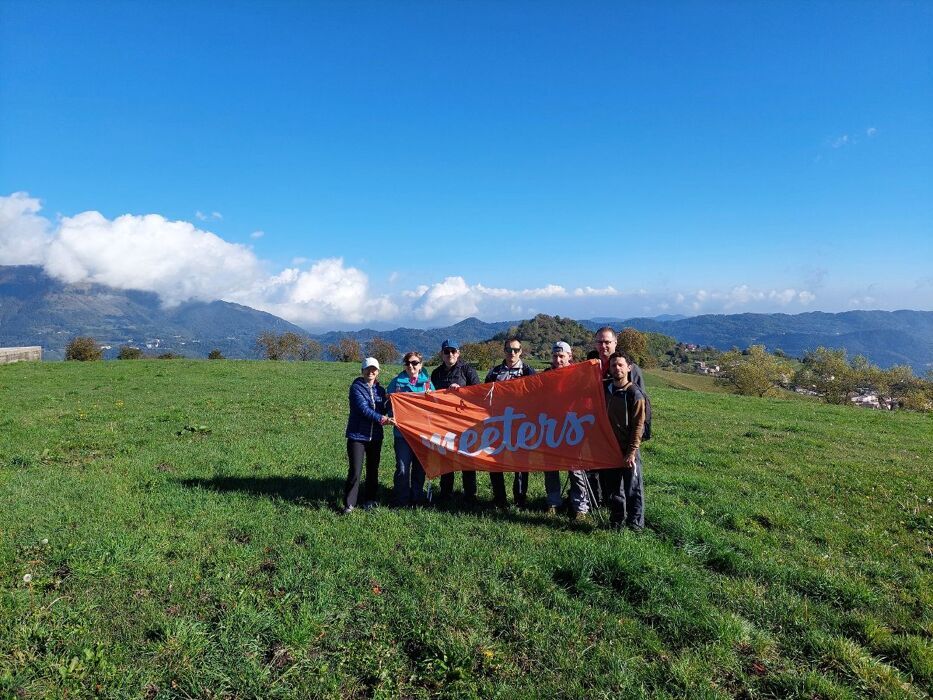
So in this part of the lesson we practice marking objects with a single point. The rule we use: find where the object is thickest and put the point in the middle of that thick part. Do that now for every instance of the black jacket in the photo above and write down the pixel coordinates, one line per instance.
(461, 373)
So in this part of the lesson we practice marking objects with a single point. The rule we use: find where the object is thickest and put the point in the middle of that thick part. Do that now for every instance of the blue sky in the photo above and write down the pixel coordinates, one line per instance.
(349, 164)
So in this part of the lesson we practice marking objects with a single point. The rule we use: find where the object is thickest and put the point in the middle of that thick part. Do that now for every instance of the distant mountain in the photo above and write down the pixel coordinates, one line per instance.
(886, 338)
(425, 341)
(36, 309)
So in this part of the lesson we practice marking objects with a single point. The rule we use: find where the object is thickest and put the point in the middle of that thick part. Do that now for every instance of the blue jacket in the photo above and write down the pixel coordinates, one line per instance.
(403, 383)
(367, 407)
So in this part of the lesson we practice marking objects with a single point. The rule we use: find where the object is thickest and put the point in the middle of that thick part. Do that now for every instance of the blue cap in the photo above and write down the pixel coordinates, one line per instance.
(450, 343)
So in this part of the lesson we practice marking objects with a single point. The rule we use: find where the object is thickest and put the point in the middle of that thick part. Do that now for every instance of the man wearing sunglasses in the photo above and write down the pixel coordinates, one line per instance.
(512, 367)
(453, 374)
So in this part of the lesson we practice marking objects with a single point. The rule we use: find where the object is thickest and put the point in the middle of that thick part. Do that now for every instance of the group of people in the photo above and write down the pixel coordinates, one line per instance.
(620, 489)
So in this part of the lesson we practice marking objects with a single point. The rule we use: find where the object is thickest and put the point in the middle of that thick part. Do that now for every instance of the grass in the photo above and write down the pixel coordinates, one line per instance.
(684, 381)
(194, 550)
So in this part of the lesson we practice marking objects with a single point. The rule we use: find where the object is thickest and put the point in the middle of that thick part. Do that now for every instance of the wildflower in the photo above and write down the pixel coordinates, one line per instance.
(45, 541)
(27, 578)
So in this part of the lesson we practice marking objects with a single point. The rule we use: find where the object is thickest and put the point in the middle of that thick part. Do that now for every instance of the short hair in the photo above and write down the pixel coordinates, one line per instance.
(604, 329)
(509, 341)
(412, 353)
(624, 355)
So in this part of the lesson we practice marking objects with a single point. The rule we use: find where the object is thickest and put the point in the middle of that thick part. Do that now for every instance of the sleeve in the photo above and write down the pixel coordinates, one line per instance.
(637, 423)
(361, 405)
(435, 375)
(531, 370)
(472, 378)
(490, 376)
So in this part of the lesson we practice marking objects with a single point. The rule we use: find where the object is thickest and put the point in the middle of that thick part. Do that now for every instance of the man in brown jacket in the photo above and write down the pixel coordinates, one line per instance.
(623, 488)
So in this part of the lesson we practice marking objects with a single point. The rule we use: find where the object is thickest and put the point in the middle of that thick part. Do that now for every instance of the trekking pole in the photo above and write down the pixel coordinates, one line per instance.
(595, 508)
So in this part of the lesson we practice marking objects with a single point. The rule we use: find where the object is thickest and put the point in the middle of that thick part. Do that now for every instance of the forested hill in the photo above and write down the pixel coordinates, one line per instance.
(885, 337)
(36, 309)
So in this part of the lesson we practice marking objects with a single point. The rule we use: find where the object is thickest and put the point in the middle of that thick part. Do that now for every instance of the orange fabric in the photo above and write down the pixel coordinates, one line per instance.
(549, 421)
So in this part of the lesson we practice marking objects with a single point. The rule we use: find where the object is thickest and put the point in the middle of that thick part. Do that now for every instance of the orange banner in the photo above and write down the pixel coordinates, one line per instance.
(546, 422)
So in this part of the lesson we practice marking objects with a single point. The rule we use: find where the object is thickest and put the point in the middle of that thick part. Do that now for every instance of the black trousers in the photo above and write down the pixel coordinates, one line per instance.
(519, 487)
(624, 492)
(469, 484)
(356, 451)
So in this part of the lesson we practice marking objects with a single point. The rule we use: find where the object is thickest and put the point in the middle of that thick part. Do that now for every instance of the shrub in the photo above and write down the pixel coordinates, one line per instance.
(215, 354)
(83, 349)
(128, 352)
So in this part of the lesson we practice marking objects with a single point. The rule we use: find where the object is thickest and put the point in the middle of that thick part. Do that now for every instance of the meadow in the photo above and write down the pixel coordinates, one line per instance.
(169, 529)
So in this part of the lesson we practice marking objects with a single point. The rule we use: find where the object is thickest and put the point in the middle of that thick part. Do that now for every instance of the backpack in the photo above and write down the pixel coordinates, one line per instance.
(638, 380)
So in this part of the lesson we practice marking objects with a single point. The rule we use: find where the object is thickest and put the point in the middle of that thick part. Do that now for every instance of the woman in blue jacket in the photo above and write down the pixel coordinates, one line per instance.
(368, 408)
(409, 474)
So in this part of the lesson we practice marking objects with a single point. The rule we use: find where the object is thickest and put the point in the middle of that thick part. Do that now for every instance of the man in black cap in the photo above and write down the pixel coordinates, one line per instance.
(453, 374)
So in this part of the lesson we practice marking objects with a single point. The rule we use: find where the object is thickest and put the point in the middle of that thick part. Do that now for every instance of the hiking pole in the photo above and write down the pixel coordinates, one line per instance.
(595, 508)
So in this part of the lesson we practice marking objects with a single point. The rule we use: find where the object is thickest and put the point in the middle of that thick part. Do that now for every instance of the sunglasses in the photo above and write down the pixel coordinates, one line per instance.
(413, 363)
(513, 350)
(450, 351)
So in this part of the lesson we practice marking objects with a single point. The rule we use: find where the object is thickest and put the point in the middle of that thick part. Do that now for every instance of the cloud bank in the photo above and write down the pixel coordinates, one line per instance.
(181, 262)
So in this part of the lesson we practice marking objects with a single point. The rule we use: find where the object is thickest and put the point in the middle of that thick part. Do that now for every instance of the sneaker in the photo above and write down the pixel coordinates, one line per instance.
(370, 505)
(347, 510)
(521, 502)
(579, 517)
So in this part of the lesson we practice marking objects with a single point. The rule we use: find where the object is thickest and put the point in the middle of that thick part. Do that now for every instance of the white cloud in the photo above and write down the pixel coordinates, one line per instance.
(594, 292)
(24, 234)
(840, 141)
(326, 292)
(257, 234)
(172, 258)
(180, 262)
(214, 215)
(871, 131)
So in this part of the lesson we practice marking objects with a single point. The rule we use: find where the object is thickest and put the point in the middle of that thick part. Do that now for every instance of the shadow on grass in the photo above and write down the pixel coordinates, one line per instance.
(320, 493)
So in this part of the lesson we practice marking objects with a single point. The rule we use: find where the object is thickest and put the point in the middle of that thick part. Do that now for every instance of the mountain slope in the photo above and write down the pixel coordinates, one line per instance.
(36, 309)
(884, 337)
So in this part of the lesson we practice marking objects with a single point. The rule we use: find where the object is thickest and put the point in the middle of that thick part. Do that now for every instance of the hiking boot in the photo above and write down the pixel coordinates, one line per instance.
(551, 512)
(579, 517)
(347, 510)
(370, 505)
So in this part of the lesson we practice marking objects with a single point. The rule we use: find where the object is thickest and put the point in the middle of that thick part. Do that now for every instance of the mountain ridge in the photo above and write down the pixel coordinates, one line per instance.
(36, 309)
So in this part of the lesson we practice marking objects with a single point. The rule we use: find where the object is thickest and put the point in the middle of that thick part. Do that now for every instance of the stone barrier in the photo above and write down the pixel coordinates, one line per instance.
(8, 355)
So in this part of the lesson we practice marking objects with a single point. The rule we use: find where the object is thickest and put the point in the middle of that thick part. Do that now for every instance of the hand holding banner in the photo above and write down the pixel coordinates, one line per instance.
(549, 421)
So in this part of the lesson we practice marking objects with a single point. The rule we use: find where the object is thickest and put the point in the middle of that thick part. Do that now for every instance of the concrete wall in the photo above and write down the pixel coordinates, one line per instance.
(8, 355)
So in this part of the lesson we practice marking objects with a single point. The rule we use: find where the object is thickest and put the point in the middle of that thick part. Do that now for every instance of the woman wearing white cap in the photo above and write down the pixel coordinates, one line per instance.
(368, 408)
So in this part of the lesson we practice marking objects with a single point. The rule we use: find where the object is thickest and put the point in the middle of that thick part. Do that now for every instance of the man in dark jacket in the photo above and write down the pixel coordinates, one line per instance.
(623, 488)
(453, 374)
(512, 367)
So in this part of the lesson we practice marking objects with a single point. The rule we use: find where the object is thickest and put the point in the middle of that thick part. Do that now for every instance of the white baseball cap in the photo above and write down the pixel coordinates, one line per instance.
(370, 362)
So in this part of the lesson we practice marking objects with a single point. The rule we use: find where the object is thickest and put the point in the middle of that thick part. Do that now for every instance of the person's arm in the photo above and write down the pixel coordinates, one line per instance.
(490, 376)
(472, 378)
(359, 402)
(636, 426)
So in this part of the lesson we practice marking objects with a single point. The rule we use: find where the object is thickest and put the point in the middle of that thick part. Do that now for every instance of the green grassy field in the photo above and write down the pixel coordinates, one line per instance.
(176, 521)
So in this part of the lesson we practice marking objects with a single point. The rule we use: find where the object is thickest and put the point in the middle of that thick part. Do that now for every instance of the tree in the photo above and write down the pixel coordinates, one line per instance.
(128, 352)
(481, 355)
(267, 346)
(83, 349)
(383, 350)
(753, 372)
(215, 354)
(634, 343)
(346, 350)
(828, 373)
(310, 350)
(290, 345)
